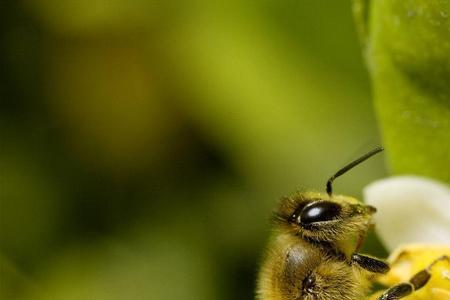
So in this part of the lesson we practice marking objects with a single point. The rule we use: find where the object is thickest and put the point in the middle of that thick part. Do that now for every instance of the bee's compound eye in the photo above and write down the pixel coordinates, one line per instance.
(319, 211)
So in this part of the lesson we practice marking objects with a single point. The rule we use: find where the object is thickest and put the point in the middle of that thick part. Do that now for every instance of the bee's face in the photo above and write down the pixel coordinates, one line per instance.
(319, 217)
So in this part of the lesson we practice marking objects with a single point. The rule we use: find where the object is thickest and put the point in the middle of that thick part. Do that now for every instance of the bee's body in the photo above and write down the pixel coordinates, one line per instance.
(299, 266)
(313, 254)
(285, 273)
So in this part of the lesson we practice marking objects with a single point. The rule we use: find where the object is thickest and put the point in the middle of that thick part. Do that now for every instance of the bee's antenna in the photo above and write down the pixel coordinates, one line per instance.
(350, 166)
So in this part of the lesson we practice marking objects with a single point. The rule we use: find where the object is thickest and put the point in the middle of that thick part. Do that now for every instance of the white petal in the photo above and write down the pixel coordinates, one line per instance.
(410, 210)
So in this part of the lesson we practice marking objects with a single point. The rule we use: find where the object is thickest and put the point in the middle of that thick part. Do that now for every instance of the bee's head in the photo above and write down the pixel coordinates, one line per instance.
(319, 217)
(327, 217)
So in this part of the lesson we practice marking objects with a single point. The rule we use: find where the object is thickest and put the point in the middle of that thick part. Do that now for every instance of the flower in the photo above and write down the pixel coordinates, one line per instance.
(413, 221)
(410, 210)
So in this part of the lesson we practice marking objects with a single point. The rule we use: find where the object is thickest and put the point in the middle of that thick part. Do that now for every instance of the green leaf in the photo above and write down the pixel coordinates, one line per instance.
(407, 48)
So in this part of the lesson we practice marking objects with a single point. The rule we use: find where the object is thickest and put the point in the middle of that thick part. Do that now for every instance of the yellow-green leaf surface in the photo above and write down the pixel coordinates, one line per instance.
(407, 47)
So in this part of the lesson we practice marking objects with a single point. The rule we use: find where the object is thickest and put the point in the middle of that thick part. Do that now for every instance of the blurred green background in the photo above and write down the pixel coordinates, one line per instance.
(144, 144)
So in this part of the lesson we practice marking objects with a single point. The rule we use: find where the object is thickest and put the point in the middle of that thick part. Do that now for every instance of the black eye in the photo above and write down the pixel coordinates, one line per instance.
(295, 216)
(319, 211)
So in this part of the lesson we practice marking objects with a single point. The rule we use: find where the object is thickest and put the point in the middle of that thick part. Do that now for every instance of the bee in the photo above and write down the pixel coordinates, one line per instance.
(314, 252)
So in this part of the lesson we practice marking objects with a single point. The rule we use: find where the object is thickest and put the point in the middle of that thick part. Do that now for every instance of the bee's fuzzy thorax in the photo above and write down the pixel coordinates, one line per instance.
(318, 252)
(289, 260)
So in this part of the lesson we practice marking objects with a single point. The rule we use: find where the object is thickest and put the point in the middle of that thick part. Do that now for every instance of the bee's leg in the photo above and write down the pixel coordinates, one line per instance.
(370, 264)
(416, 282)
